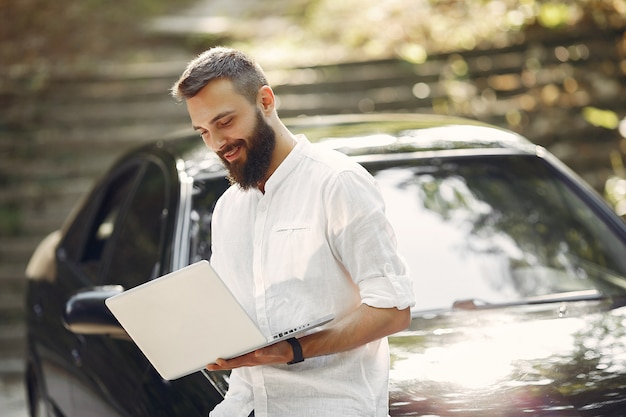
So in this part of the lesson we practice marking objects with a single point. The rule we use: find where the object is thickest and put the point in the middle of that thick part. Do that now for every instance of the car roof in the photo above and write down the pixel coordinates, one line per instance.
(366, 137)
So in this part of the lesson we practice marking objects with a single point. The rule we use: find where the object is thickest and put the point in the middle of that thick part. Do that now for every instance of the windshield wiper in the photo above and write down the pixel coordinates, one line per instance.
(583, 295)
(469, 304)
(477, 303)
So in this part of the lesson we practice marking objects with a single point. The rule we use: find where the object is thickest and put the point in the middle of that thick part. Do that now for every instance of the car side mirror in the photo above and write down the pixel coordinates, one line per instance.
(86, 313)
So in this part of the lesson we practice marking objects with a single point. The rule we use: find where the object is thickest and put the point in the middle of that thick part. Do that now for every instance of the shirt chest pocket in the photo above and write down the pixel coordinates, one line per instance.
(292, 247)
(288, 236)
(287, 230)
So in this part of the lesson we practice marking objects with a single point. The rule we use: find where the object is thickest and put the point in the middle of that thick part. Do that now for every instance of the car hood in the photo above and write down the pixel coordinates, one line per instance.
(557, 359)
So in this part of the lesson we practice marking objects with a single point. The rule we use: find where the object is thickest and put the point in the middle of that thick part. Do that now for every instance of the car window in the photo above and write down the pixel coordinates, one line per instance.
(93, 227)
(205, 195)
(497, 229)
(136, 255)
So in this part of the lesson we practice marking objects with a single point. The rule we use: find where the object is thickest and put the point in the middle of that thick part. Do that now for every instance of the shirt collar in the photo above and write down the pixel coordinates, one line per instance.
(289, 163)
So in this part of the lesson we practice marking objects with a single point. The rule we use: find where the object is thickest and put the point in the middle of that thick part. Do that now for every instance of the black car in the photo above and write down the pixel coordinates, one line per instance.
(519, 269)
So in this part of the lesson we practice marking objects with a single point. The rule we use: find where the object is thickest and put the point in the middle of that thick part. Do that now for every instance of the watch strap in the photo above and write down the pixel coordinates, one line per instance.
(297, 351)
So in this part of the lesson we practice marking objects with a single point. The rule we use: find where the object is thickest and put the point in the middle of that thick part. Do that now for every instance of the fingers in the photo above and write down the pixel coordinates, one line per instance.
(238, 362)
(278, 353)
(219, 365)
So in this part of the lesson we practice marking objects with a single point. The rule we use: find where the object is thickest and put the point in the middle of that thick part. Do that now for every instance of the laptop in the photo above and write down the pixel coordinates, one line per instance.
(188, 318)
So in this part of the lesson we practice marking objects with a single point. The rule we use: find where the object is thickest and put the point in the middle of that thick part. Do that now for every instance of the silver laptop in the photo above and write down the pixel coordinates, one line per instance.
(187, 319)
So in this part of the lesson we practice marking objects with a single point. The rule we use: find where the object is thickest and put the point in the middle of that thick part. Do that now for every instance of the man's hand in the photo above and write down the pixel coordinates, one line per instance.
(363, 325)
(278, 353)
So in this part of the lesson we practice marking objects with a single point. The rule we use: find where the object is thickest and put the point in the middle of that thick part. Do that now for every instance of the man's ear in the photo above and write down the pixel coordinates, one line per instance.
(266, 99)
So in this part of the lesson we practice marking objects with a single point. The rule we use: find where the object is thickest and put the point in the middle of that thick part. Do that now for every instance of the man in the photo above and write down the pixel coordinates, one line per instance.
(300, 233)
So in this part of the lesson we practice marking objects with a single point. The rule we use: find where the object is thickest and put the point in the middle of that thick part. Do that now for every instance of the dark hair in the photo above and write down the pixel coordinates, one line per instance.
(215, 63)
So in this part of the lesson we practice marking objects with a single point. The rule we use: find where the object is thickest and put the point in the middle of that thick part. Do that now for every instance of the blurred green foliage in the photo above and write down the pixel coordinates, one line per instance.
(378, 27)
(601, 118)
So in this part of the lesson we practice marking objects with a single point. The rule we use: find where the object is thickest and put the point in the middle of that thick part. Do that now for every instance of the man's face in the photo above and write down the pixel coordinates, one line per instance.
(258, 147)
(235, 129)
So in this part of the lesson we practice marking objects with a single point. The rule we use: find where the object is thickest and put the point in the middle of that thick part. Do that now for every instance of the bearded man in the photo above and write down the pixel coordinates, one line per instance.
(300, 233)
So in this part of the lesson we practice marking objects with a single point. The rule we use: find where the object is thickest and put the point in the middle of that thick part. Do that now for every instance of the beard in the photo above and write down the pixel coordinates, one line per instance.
(259, 148)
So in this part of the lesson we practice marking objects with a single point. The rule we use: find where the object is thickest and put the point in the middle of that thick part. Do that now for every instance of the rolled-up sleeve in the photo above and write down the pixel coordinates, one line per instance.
(387, 292)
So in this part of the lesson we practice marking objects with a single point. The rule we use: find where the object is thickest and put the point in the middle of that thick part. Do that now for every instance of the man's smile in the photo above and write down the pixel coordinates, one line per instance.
(231, 152)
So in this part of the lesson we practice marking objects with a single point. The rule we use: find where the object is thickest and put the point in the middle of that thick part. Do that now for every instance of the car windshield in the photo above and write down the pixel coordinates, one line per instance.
(490, 229)
(498, 229)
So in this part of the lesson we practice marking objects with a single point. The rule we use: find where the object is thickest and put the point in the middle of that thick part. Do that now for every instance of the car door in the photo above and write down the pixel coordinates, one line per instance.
(78, 259)
(115, 374)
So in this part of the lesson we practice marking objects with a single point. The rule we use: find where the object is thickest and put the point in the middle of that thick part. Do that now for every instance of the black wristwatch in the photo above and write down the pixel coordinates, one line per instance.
(297, 351)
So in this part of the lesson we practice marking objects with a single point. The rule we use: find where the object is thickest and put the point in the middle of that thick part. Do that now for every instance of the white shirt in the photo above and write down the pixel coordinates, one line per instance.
(317, 242)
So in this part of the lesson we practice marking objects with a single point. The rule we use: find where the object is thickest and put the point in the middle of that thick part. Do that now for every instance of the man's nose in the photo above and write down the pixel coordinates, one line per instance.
(213, 140)
(219, 142)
